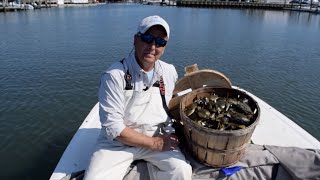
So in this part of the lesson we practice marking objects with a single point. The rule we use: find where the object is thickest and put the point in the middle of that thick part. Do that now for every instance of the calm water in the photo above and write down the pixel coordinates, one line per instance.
(51, 60)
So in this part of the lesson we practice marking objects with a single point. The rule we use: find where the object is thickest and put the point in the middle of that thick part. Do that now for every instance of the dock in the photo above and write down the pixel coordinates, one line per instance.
(309, 9)
(241, 4)
(232, 4)
(11, 5)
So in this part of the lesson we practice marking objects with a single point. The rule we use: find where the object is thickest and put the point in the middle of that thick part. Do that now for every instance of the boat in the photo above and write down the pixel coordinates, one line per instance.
(156, 2)
(274, 129)
(12, 5)
(305, 8)
(314, 2)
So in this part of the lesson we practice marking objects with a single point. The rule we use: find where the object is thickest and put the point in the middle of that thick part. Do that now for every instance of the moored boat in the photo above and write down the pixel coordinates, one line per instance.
(273, 129)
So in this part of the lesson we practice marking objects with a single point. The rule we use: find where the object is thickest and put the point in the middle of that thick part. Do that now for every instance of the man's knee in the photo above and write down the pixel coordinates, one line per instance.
(184, 169)
(179, 167)
(174, 170)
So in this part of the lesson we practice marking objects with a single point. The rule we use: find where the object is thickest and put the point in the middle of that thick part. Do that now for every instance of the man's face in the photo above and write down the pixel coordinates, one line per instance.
(147, 54)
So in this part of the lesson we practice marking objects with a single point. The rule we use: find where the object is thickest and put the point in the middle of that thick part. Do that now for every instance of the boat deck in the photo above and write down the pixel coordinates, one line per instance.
(273, 129)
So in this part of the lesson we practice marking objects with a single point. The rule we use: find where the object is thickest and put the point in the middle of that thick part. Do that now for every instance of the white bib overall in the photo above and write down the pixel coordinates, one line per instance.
(144, 113)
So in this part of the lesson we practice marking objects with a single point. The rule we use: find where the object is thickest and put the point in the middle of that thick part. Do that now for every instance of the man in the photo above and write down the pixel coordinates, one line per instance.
(133, 98)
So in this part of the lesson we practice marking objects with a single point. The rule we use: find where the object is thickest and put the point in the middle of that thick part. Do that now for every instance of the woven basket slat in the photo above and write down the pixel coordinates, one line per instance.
(215, 147)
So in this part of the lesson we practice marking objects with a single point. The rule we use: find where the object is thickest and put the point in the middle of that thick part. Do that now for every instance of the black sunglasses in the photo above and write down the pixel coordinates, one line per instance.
(148, 38)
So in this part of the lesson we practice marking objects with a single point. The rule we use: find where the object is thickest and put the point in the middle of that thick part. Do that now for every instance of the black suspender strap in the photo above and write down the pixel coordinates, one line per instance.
(163, 97)
(127, 78)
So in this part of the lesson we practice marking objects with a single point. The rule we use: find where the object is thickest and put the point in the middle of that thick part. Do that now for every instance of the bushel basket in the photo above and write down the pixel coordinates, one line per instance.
(217, 148)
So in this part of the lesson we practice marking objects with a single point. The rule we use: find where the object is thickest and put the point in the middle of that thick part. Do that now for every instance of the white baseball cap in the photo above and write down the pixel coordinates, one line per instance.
(150, 21)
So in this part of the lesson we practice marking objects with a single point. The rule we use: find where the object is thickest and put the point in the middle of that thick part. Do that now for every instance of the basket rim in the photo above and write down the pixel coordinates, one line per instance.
(210, 130)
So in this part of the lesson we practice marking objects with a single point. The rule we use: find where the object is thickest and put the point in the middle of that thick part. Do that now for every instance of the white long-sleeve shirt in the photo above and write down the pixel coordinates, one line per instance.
(112, 86)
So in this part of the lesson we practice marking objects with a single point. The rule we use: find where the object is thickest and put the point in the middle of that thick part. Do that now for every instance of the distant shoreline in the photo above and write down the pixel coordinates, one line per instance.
(77, 4)
(22, 7)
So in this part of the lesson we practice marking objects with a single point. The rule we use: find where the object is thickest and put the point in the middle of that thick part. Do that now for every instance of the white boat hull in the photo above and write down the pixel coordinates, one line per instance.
(274, 128)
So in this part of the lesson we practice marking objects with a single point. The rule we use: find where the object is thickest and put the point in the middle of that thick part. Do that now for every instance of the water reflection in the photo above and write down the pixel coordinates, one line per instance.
(282, 18)
(303, 18)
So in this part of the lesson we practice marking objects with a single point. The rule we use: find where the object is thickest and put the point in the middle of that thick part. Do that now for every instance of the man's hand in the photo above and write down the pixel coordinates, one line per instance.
(159, 143)
(165, 143)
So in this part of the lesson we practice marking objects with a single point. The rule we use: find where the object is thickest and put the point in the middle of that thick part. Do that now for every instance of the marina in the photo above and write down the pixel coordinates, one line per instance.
(22, 5)
(311, 7)
(52, 58)
(256, 5)
(273, 5)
